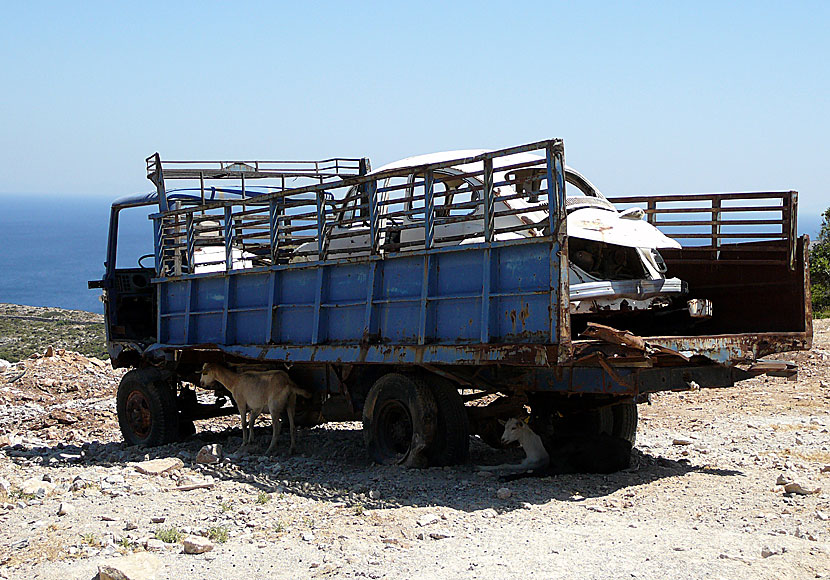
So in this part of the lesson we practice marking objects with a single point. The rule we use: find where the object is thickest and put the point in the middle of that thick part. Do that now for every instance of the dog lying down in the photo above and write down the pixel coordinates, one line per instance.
(257, 391)
(568, 454)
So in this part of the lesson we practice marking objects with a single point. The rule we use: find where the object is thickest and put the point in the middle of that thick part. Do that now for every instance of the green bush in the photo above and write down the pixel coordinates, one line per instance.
(820, 269)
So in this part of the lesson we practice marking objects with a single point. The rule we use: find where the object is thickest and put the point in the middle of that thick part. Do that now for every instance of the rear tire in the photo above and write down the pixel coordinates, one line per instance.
(451, 445)
(592, 422)
(398, 411)
(625, 422)
(146, 404)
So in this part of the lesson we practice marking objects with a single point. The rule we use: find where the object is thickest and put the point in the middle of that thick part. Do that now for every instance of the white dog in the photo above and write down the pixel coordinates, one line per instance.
(256, 391)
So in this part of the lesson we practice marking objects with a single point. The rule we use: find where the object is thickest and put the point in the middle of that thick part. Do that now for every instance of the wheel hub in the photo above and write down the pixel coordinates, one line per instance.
(395, 427)
(138, 414)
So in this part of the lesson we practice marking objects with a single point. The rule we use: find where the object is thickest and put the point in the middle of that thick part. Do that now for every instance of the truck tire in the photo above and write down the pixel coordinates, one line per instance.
(399, 420)
(309, 412)
(625, 421)
(591, 422)
(451, 445)
(146, 404)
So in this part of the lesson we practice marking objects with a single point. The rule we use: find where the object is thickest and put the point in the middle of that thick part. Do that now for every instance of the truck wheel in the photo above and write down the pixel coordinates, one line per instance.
(591, 422)
(309, 412)
(451, 445)
(398, 412)
(146, 404)
(625, 422)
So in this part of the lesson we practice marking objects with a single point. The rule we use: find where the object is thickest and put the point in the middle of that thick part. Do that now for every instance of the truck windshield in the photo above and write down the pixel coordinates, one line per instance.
(135, 236)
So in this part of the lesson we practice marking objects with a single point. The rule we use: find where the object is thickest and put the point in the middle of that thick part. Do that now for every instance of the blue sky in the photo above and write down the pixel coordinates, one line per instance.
(649, 97)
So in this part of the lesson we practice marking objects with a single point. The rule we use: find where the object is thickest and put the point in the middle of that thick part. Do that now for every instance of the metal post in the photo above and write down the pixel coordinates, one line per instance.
(228, 238)
(487, 192)
(159, 246)
(429, 208)
(321, 224)
(274, 229)
(191, 242)
(374, 215)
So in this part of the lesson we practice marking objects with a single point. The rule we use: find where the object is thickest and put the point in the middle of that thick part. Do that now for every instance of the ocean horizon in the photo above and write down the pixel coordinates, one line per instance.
(53, 244)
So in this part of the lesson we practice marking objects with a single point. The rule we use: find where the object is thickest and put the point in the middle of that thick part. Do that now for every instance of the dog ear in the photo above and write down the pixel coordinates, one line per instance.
(503, 422)
(526, 420)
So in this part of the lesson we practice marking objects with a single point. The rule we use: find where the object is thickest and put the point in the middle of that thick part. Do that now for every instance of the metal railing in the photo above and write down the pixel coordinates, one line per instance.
(717, 221)
(491, 197)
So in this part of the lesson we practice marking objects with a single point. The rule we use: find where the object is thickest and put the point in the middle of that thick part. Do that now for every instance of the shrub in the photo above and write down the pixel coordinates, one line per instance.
(820, 269)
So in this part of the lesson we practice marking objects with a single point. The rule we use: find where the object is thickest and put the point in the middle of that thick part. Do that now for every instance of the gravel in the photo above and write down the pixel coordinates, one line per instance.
(712, 506)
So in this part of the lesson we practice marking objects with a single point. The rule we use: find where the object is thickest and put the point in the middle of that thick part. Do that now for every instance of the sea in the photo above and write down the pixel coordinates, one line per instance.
(51, 245)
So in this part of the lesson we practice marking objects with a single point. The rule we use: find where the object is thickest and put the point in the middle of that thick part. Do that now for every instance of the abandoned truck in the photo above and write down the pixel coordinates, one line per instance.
(433, 296)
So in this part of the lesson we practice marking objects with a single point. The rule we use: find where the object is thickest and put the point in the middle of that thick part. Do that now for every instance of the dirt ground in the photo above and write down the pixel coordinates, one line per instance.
(705, 496)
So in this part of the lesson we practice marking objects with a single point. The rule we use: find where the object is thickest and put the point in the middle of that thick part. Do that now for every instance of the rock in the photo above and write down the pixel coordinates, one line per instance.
(158, 466)
(440, 535)
(307, 536)
(489, 513)
(79, 483)
(158, 519)
(130, 525)
(428, 519)
(210, 454)
(822, 516)
(766, 552)
(797, 489)
(5, 486)
(196, 545)
(682, 441)
(155, 545)
(37, 487)
(50, 352)
(825, 469)
(782, 480)
(138, 566)
(65, 508)
(504, 493)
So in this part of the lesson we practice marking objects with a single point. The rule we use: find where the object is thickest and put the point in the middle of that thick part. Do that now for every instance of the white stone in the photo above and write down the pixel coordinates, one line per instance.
(158, 466)
(210, 454)
(196, 545)
(155, 545)
(138, 566)
(65, 508)
(36, 486)
(504, 493)
(428, 519)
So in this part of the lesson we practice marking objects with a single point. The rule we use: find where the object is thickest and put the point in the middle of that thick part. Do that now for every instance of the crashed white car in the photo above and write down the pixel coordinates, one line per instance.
(615, 263)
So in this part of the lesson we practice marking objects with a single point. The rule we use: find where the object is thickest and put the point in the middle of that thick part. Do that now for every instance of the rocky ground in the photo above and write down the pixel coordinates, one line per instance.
(725, 484)
(24, 329)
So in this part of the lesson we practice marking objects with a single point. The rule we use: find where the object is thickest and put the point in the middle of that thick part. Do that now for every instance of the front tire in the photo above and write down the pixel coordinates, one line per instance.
(146, 404)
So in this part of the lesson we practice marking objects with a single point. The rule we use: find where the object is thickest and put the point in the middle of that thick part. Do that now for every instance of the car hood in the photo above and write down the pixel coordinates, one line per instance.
(610, 227)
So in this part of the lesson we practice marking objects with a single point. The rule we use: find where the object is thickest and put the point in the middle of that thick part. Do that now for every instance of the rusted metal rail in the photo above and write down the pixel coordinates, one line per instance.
(711, 221)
